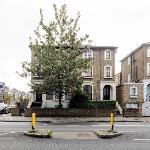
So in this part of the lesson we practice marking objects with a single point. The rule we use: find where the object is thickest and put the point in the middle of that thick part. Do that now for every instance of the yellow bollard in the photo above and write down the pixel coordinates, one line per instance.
(33, 120)
(112, 121)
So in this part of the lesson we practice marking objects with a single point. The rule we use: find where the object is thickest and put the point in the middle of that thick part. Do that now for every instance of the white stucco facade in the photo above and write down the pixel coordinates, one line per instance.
(112, 84)
(146, 96)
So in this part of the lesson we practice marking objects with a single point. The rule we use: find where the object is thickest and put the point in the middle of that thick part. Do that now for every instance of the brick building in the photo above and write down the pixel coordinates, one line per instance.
(99, 79)
(135, 78)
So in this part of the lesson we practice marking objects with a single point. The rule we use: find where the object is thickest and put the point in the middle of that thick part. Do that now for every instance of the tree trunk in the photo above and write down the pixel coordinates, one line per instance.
(60, 104)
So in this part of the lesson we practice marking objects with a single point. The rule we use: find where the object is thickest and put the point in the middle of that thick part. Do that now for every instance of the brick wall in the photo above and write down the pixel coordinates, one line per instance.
(130, 112)
(138, 67)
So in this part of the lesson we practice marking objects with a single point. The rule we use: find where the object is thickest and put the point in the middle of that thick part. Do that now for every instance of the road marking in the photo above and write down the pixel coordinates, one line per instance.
(4, 133)
(119, 125)
(128, 131)
(10, 132)
(73, 125)
(132, 125)
(141, 139)
(13, 132)
(98, 125)
(7, 138)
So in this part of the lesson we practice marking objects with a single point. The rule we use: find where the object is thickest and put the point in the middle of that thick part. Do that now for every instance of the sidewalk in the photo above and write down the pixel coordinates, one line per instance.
(9, 118)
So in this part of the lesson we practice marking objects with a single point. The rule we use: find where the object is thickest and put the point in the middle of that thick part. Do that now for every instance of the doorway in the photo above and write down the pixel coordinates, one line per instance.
(106, 92)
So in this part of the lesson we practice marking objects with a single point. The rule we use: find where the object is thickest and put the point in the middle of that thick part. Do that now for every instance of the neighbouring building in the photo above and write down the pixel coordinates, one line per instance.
(99, 79)
(12, 96)
(2, 87)
(134, 85)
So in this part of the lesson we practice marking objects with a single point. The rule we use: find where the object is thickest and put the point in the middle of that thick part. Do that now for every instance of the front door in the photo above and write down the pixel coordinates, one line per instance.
(38, 96)
(106, 92)
(146, 108)
(146, 104)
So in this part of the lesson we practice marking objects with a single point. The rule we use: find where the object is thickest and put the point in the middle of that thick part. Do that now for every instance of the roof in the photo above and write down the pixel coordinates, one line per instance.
(144, 44)
(94, 46)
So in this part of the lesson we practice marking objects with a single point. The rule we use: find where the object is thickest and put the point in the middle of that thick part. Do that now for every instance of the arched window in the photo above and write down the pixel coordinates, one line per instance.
(107, 54)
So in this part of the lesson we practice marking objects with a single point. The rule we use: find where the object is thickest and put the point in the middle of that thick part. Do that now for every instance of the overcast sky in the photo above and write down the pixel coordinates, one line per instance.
(121, 23)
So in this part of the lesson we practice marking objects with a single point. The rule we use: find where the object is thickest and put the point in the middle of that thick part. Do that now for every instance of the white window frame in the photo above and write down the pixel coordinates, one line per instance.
(148, 52)
(85, 73)
(87, 54)
(105, 71)
(88, 83)
(54, 97)
(129, 77)
(148, 69)
(132, 95)
(129, 60)
(106, 51)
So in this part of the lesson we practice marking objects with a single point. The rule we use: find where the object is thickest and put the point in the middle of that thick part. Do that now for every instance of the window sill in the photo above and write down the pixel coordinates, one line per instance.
(88, 77)
(108, 77)
(107, 59)
(134, 96)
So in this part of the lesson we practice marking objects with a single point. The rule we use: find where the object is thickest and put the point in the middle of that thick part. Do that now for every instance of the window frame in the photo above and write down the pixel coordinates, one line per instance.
(55, 98)
(148, 52)
(105, 71)
(85, 75)
(148, 69)
(129, 60)
(106, 51)
(90, 84)
(86, 54)
(132, 95)
(129, 77)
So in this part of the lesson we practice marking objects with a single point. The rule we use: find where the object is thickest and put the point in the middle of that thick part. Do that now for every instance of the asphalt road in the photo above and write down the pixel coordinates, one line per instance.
(136, 137)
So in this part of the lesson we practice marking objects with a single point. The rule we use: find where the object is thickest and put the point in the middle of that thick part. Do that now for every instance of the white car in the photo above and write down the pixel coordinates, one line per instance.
(4, 108)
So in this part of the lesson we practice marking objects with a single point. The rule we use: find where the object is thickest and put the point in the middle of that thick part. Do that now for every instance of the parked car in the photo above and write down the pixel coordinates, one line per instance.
(4, 108)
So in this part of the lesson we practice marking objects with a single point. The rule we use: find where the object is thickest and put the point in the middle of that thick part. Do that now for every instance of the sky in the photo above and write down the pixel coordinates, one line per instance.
(121, 23)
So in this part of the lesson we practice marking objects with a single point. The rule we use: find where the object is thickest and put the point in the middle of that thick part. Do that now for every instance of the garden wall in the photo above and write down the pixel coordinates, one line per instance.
(74, 112)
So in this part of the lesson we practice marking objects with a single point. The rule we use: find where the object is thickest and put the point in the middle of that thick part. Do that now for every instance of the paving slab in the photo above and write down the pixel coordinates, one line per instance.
(9, 118)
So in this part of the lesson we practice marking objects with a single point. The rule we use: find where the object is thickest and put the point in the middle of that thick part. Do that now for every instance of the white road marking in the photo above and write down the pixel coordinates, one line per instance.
(73, 125)
(128, 131)
(7, 138)
(11, 132)
(98, 125)
(119, 125)
(141, 139)
(4, 133)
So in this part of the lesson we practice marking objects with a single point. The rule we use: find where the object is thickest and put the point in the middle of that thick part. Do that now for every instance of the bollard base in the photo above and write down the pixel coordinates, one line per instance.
(41, 133)
(107, 134)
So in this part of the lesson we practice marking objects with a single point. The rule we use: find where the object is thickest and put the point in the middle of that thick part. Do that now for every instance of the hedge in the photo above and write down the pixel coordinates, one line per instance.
(101, 104)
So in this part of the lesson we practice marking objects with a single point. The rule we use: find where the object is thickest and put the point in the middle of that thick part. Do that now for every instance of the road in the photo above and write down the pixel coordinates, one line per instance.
(136, 137)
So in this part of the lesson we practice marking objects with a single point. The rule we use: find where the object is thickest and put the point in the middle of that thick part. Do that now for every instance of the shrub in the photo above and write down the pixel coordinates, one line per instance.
(101, 104)
(79, 100)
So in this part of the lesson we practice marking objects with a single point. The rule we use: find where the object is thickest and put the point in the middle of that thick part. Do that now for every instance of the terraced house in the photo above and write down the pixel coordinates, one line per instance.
(135, 79)
(99, 79)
